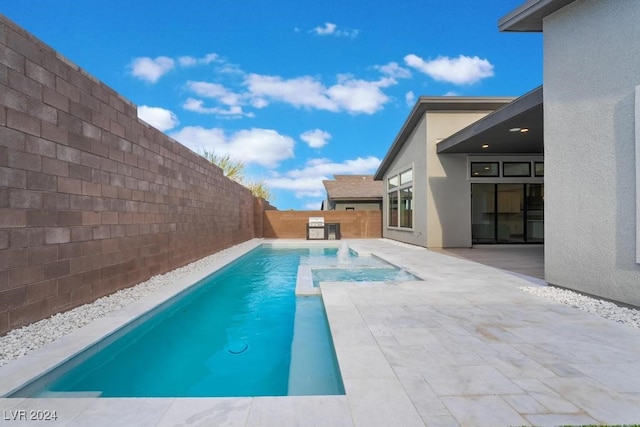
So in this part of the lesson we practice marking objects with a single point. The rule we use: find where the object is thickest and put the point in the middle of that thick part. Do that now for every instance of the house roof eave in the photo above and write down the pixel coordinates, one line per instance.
(528, 17)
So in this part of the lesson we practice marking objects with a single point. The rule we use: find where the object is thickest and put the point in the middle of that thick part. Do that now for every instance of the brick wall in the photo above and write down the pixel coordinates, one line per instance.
(93, 200)
(293, 224)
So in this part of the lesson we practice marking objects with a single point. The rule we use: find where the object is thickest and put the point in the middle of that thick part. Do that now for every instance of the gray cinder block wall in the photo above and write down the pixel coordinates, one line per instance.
(92, 200)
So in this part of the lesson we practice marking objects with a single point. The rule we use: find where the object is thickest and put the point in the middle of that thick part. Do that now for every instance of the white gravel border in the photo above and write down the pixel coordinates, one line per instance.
(19, 342)
(602, 308)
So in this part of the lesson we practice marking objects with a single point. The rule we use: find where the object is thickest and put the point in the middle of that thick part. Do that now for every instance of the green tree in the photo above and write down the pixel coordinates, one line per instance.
(235, 170)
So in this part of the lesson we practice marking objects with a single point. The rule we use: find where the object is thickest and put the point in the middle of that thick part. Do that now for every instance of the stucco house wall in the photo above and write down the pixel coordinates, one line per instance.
(358, 206)
(441, 188)
(413, 154)
(448, 187)
(591, 71)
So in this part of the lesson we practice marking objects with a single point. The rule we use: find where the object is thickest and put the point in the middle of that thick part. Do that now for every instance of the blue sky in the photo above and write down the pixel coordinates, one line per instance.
(299, 91)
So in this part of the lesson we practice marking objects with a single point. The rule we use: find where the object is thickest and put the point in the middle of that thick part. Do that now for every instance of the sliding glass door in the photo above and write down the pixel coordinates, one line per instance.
(507, 213)
(535, 213)
(483, 213)
(510, 216)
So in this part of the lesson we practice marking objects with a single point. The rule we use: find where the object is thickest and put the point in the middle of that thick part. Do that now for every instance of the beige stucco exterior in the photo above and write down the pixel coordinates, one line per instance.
(448, 188)
(357, 206)
(413, 154)
(441, 187)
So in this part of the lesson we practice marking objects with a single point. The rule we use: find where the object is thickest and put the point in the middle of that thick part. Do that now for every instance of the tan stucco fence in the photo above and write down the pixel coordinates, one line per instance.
(293, 224)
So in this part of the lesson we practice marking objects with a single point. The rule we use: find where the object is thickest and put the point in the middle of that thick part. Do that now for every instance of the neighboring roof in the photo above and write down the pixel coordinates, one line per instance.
(525, 112)
(353, 187)
(529, 16)
(436, 103)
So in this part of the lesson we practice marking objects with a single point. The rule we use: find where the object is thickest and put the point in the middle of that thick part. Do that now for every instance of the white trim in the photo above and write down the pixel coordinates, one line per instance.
(397, 172)
(637, 174)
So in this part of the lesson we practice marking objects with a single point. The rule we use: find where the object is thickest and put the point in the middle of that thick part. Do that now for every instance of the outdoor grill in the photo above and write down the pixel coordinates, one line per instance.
(317, 229)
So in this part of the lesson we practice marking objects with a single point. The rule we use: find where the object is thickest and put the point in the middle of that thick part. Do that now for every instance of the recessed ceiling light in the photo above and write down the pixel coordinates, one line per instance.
(485, 145)
(523, 130)
(514, 130)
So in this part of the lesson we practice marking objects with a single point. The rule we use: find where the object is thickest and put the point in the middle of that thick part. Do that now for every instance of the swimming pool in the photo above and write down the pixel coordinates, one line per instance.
(347, 266)
(232, 334)
(361, 274)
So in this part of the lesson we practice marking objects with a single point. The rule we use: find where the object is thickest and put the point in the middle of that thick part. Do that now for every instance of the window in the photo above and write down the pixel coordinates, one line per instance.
(406, 177)
(483, 169)
(393, 209)
(406, 209)
(516, 169)
(400, 200)
(539, 168)
(349, 208)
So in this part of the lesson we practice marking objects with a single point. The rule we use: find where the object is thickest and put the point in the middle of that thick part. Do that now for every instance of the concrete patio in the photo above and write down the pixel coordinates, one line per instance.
(465, 347)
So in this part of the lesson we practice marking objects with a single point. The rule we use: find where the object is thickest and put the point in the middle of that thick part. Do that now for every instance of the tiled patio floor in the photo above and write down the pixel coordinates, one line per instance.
(521, 259)
(465, 347)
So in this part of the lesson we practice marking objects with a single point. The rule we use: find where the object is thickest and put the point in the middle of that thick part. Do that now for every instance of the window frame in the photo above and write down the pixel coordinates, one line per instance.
(527, 175)
(494, 163)
(397, 192)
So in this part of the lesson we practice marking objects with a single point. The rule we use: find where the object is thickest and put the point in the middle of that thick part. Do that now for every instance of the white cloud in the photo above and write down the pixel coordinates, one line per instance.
(307, 182)
(349, 94)
(231, 100)
(215, 91)
(316, 138)
(230, 69)
(151, 70)
(392, 69)
(359, 96)
(410, 98)
(462, 70)
(301, 187)
(158, 117)
(197, 106)
(300, 92)
(327, 29)
(190, 61)
(187, 61)
(264, 147)
(331, 29)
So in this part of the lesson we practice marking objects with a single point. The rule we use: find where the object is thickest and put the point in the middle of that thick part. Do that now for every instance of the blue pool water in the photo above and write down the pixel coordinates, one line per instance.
(361, 274)
(231, 334)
